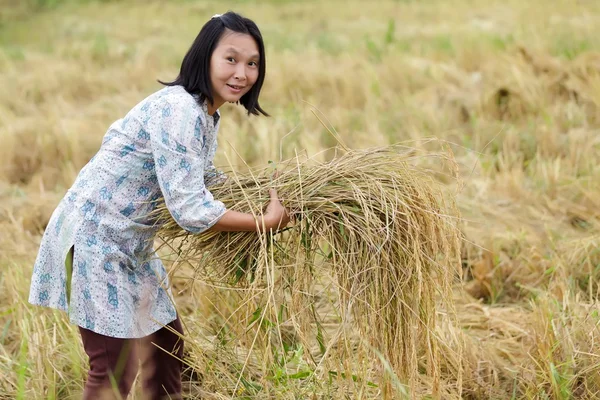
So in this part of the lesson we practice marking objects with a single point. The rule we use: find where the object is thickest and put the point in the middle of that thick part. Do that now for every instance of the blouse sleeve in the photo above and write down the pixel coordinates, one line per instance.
(179, 165)
(213, 176)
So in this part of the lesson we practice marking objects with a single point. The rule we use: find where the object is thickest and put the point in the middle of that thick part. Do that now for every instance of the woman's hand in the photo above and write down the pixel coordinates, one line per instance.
(276, 216)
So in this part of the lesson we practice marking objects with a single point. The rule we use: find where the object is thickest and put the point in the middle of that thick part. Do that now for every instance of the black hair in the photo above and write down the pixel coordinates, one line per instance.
(194, 74)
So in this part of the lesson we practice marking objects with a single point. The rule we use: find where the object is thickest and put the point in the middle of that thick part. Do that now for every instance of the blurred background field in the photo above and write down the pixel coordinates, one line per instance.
(512, 88)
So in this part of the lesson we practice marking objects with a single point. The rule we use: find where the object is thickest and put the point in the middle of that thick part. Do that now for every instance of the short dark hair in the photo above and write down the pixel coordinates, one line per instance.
(194, 74)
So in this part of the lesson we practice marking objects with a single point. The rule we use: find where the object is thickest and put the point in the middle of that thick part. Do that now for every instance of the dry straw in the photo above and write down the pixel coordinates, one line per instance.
(373, 220)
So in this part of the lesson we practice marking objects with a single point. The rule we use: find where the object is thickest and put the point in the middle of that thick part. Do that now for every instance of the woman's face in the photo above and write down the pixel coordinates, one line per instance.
(233, 68)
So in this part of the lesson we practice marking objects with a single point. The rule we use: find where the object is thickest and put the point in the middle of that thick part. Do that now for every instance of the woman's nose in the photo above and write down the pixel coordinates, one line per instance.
(240, 73)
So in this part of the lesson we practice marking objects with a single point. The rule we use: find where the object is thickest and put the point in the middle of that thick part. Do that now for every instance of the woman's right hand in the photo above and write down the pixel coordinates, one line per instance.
(276, 216)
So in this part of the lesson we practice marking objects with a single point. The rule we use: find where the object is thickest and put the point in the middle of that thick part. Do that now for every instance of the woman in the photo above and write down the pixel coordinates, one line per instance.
(96, 257)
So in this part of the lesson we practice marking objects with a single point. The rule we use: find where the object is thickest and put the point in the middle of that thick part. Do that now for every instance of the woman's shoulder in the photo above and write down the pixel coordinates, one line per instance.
(173, 98)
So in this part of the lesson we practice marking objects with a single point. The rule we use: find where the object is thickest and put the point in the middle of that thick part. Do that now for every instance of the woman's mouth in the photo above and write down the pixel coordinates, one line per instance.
(235, 88)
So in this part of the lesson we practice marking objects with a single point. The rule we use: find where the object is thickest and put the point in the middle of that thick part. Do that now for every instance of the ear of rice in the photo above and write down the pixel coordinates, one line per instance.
(370, 218)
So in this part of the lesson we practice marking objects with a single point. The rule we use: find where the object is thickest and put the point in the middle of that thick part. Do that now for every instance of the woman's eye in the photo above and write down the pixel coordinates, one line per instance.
(230, 59)
(252, 63)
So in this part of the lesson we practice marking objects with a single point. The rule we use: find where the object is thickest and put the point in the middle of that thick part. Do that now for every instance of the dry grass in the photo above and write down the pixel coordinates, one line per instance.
(512, 87)
(371, 220)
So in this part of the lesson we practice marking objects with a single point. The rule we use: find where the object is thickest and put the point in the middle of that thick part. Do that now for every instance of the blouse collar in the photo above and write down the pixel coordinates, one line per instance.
(215, 117)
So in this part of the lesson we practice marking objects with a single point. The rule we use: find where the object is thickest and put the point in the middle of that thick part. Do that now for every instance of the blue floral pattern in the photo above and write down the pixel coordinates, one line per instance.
(163, 147)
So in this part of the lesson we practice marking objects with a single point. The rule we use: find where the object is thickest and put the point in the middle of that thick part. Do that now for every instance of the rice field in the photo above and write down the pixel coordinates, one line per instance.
(509, 91)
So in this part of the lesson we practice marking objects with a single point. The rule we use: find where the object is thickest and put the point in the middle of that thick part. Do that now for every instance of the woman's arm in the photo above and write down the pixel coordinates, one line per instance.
(275, 217)
(179, 164)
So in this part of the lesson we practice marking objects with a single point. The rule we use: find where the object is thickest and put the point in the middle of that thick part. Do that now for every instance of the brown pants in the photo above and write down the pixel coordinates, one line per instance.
(114, 364)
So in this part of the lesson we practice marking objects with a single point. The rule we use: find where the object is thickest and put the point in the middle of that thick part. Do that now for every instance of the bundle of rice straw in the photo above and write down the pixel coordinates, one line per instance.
(376, 221)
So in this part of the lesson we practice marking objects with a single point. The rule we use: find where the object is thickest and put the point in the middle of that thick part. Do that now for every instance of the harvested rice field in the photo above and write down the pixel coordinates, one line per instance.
(441, 164)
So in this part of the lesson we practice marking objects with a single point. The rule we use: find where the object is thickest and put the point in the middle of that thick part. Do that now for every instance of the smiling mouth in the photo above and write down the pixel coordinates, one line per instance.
(236, 87)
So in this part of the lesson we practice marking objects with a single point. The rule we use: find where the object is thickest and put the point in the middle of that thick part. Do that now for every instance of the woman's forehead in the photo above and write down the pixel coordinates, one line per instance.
(241, 43)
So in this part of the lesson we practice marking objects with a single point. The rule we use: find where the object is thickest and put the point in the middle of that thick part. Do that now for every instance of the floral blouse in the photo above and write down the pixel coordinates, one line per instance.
(164, 147)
